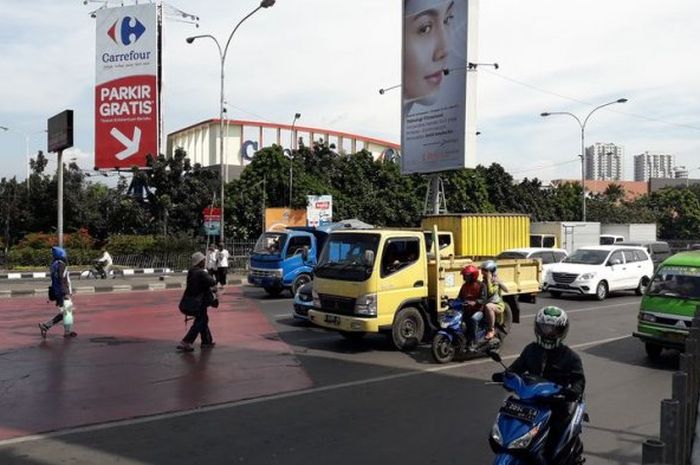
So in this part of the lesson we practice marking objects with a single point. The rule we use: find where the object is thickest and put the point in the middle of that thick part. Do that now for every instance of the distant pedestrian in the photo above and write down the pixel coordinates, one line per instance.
(211, 260)
(222, 264)
(199, 294)
(60, 292)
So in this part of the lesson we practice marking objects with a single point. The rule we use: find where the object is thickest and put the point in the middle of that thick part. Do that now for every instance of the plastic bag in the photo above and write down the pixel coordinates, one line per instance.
(67, 310)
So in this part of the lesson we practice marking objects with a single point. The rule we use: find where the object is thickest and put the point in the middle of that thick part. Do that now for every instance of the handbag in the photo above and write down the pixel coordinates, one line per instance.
(191, 305)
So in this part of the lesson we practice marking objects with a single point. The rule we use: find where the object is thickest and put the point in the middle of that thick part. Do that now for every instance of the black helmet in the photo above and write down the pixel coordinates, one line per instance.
(551, 326)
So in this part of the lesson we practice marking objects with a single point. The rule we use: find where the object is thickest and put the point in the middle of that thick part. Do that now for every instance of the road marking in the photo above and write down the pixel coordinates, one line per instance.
(282, 396)
(587, 309)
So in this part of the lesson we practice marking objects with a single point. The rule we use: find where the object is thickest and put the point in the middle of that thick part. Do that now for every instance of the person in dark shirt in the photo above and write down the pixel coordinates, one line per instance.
(200, 285)
(549, 358)
(61, 290)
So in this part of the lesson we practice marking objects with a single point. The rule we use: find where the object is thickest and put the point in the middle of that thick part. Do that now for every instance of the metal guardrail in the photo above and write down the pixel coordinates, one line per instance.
(679, 413)
(238, 260)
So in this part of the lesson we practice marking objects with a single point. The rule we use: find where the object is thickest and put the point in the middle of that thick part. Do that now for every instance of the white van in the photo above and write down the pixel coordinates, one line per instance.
(598, 270)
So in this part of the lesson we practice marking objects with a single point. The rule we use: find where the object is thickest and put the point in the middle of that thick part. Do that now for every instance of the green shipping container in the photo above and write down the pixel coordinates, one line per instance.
(483, 235)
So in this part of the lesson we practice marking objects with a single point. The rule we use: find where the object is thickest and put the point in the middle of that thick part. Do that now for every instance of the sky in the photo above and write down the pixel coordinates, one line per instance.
(327, 59)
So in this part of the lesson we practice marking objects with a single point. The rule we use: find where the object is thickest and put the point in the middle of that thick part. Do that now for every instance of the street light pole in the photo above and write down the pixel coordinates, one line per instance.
(582, 125)
(222, 57)
(291, 157)
(26, 145)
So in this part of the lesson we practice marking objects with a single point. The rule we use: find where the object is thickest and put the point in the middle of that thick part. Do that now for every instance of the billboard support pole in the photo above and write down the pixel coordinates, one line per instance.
(435, 202)
(59, 176)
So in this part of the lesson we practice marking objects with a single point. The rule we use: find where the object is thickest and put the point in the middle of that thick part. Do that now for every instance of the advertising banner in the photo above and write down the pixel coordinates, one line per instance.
(277, 219)
(126, 86)
(319, 210)
(212, 221)
(435, 85)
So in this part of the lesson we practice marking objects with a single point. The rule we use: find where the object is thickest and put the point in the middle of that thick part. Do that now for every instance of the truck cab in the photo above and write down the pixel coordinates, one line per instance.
(611, 239)
(285, 259)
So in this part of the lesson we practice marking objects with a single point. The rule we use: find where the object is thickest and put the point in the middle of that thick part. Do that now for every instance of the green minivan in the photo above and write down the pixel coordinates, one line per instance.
(669, 304)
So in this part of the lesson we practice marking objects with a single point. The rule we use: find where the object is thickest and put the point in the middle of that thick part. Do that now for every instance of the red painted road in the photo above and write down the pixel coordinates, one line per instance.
(123, 364)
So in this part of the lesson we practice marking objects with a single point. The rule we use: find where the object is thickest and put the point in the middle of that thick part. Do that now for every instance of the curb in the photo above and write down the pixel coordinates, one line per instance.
(103, 289)
(76, 274)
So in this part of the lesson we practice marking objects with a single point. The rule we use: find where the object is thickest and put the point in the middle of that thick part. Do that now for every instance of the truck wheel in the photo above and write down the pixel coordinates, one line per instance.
(653, 350)
(300, 281)
(407, 331)
(504, 329)
(555, 294)
(273, 291)
(443, 350)
(353, 335)
(642, 286)
(601, 290)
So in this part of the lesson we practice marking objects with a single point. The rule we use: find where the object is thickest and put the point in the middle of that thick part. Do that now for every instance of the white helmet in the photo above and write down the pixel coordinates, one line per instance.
(551, 326)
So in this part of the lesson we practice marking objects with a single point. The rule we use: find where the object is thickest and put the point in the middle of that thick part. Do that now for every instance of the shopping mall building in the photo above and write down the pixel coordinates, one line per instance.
(243, 138)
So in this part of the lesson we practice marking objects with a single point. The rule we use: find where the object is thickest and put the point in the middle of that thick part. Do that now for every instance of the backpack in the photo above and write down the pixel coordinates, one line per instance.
(191, 305)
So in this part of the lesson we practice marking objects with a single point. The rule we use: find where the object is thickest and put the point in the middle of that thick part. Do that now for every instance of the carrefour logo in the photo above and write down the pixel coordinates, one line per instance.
(126, 30)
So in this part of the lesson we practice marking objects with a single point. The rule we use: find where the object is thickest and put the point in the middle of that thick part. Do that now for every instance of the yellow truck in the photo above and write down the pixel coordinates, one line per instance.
(392, 281)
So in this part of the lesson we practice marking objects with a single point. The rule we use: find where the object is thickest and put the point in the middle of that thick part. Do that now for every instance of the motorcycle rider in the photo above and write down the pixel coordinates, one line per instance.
(494, 304)
(103, 264)
(472, 294)
(549, 358)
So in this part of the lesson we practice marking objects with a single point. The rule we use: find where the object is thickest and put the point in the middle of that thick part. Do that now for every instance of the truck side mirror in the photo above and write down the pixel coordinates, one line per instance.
(369, 258)
(305, 252)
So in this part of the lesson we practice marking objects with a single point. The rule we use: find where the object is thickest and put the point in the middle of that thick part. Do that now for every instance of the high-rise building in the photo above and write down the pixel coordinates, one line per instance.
(680, 172)
(653, 165)
(604, 162)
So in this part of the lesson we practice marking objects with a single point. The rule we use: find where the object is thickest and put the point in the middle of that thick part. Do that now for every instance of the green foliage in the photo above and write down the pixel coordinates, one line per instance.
(127, 244)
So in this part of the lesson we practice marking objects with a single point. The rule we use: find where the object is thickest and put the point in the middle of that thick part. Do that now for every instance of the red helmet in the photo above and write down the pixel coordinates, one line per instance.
(470, 271)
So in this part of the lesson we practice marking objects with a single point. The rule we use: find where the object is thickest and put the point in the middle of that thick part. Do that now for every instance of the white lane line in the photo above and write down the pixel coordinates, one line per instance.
(260, 400)
(588, 309)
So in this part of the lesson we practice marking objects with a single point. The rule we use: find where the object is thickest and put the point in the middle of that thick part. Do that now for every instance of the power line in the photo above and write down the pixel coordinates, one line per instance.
(551, 165)
(565, 97)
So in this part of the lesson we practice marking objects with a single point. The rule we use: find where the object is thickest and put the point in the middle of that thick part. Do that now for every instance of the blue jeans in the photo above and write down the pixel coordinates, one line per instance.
(473, 326)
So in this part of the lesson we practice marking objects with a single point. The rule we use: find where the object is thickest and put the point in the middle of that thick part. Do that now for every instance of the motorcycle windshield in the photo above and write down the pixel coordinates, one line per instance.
(530, 387)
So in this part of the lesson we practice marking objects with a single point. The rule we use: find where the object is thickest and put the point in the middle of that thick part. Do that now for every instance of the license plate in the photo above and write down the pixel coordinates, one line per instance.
(332, 319)
(519, 411)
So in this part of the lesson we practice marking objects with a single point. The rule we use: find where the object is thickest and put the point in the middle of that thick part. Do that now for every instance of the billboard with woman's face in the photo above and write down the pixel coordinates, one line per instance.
(434, 85)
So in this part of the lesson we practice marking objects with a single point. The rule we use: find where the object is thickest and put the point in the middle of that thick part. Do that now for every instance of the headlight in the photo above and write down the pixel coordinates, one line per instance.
(496, 435)
(586, 276)
(277, 273)
(644, 316)
(523, 441)
(444, 324)
(366, 305)
(316, 298)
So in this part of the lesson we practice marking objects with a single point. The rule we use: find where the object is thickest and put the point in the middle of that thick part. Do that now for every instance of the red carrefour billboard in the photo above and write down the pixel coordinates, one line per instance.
(127, 99)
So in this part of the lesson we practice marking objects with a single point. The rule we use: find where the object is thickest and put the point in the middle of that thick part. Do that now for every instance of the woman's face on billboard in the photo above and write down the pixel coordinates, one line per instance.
(426, 31)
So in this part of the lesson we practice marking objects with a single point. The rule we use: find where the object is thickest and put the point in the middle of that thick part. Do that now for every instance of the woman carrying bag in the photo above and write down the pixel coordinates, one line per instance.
(199, 294)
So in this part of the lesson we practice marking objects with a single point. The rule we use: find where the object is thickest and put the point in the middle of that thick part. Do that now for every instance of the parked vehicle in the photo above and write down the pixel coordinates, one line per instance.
(632, 232)
(668, 307)
(286, 259)
(303, 301)
(382, 281)
(522, 425)
(548, 256)
(568, 235)
(610, 239)
(600, 269)
(543, 240)
(657, 250)
(456, 340)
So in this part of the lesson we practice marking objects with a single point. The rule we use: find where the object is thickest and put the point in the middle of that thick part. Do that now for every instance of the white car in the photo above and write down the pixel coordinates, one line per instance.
(600, 269)
(548, 256)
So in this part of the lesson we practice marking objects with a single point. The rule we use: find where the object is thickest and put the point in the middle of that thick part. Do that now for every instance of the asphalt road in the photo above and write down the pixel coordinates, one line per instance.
(372, 405)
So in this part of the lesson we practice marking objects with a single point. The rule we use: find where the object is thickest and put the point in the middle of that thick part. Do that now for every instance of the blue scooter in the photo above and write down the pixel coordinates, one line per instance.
(523, 423)
(460, 338)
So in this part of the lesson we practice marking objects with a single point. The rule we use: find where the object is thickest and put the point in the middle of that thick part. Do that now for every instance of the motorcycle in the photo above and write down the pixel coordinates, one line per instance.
(96, 272)
(454, 341)
(522, 425)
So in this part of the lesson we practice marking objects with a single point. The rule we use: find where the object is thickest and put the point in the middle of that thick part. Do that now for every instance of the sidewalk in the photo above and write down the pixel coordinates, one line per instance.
(118, 284)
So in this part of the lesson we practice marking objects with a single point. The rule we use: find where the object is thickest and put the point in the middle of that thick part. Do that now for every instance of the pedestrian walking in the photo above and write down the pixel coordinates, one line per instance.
(199, 294)
(222, 265)
(211, 261)
(60, 292)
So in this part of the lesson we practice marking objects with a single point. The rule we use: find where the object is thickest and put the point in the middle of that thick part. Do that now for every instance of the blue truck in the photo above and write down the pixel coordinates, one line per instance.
(286, 259)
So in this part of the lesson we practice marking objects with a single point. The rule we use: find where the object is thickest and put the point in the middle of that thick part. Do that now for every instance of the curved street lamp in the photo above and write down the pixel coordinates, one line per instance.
(582, 125)
(291, 157)
(222, 57)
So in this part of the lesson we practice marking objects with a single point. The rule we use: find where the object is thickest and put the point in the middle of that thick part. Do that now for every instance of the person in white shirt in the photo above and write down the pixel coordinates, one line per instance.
(211, 261)
(222, 264)
(104, 264)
